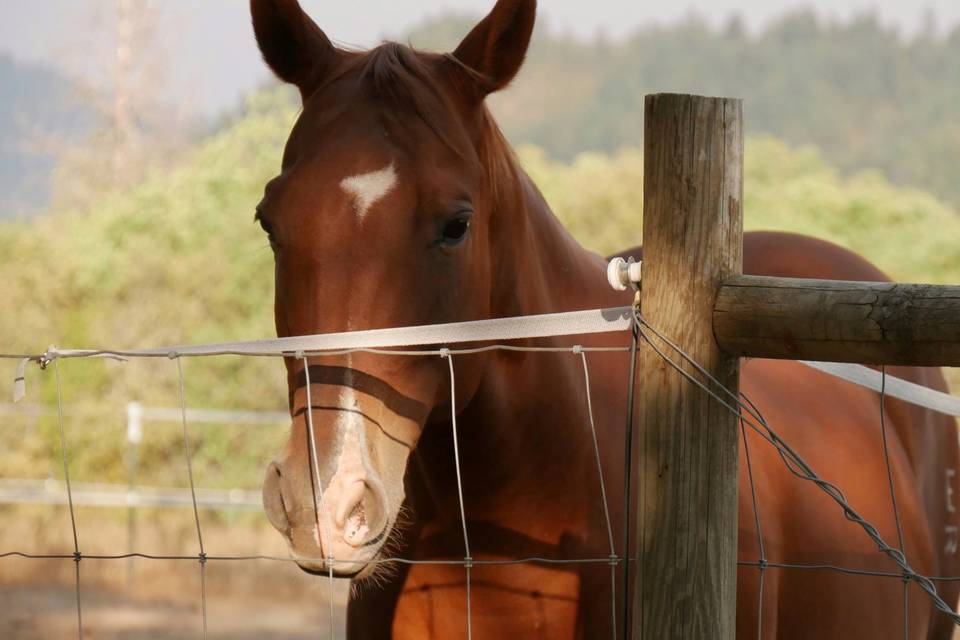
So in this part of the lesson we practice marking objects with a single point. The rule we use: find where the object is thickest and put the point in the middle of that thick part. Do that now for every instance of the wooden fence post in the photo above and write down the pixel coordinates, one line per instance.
(686, 541)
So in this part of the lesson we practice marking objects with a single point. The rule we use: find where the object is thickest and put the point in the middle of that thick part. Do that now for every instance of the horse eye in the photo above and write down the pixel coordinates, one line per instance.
(455, 230)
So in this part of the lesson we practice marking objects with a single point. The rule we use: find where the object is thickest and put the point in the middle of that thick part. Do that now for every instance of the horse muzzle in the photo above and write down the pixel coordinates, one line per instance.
(343, 529)
(338, 488)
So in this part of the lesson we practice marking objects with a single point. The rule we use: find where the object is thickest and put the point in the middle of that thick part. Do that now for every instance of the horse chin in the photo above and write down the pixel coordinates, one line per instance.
(349, 571)
(368, 570)
(364, 571)
(356, 568)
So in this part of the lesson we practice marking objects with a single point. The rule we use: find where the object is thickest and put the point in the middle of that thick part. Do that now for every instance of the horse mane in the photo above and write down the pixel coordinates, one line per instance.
(406, 78)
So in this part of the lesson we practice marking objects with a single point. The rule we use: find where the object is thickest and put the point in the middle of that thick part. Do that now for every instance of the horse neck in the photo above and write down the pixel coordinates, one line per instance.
(538, 267)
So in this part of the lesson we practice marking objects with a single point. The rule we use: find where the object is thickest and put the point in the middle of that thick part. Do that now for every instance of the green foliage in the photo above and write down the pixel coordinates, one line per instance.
(858, 90)
(179, 260)
(906, 232)
(598, 197)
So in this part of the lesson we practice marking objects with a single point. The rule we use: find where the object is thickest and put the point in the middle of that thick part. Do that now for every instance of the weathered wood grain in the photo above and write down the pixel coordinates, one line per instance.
(839, 321)
(685, 585)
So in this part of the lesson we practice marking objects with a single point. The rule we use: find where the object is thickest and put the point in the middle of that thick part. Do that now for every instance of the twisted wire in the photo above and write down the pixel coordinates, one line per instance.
(795, 463)
(319, 505)
(193, 495)
(73, 520)
(893, 497)
(748, 414)
(124, 354)
(756, 520)
(468, 558)
(374, 561)
(603, 497)
(628, 473)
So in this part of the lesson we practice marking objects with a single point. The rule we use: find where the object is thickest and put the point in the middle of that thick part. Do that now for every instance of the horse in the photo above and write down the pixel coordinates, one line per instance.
(399, 202)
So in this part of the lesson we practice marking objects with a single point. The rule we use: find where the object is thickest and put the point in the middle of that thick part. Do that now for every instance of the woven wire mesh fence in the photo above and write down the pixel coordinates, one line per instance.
(750, 417)
(203, 556)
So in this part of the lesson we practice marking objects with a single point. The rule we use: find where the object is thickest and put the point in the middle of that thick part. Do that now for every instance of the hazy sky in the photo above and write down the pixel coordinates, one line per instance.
(213, 60)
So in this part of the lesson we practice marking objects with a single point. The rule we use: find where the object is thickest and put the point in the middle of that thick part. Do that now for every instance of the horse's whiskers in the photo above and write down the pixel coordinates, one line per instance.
(385, 571)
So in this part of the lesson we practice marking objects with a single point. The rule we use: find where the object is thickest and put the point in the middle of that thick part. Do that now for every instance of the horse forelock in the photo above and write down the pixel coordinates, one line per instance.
(497, 157)
(411, 81)
(404, 79)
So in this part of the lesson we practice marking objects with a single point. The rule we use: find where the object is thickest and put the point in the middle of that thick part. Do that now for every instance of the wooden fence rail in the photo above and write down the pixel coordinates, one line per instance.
(839, 321)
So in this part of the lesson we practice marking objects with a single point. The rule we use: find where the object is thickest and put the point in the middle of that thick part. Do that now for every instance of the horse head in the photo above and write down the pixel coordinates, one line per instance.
(383, 215)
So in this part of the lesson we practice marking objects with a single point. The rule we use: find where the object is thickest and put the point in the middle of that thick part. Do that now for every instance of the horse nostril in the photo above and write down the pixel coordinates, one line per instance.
(360, 515)
(351, 502)
(273, 499)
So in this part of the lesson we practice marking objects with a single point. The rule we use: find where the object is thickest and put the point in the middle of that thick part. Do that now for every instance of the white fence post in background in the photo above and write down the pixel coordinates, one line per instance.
(134, 437)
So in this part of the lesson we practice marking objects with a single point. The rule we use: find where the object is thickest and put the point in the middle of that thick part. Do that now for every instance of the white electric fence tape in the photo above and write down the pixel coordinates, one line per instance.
(895, 387)
(547, 325)
(20, 380)
(535, 326)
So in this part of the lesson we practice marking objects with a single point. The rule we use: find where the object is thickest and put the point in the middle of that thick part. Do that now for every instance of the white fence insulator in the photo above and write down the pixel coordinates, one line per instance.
(623, 273)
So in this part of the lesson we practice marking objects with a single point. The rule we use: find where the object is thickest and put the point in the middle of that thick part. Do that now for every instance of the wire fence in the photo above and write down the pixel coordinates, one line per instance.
(750, 417)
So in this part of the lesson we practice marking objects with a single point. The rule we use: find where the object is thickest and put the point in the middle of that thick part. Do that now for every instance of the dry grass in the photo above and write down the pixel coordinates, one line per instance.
(155, 598)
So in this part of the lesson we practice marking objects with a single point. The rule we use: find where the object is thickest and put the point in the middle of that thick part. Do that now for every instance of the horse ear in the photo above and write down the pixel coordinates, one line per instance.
(496, 47)
(293, 46)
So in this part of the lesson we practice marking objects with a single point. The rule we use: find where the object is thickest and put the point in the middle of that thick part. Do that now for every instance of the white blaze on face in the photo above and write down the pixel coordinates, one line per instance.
(367, 188)
(344, 494)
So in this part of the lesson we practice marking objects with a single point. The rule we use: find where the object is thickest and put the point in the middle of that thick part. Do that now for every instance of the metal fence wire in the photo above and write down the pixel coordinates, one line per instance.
(750, 418)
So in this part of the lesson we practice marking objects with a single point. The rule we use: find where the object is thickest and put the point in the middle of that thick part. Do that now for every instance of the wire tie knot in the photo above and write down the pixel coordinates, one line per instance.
(47, 357)
(468, 562)
(173, 355)
(202, 557)
(614, 560)
(445, 352)
(762, 564)
(577, 349)
(299, 354)
(77, 556)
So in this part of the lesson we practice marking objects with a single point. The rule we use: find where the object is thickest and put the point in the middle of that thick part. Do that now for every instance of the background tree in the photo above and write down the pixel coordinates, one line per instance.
(867, 96)
(121, 82)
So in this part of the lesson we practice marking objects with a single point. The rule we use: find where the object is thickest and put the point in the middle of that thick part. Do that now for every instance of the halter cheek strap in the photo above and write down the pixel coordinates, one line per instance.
(398, 403)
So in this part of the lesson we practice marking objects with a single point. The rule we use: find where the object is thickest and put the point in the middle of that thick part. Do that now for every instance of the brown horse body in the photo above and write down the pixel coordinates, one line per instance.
(400, 203)
(532, 490)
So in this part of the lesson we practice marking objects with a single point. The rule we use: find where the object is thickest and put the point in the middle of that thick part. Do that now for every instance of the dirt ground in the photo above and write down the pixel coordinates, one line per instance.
(34, 613)
(157, 599)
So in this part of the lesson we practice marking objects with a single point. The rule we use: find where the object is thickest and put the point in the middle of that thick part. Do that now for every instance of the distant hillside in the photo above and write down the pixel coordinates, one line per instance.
(36, 109)
(858, 91)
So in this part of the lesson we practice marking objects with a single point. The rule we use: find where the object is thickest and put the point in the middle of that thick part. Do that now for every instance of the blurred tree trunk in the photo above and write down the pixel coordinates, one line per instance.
(133, 128)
